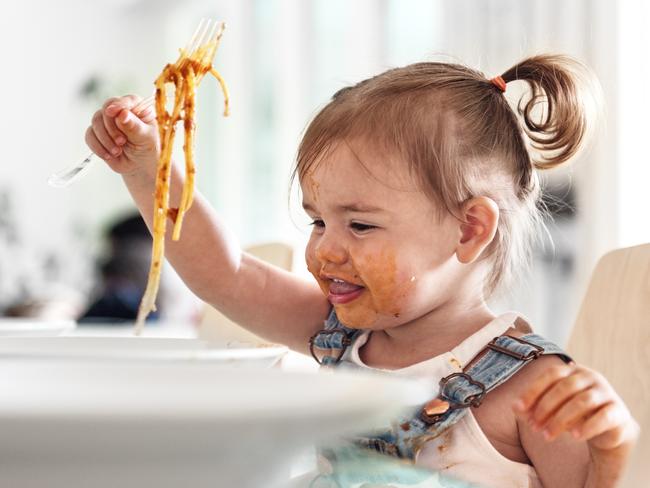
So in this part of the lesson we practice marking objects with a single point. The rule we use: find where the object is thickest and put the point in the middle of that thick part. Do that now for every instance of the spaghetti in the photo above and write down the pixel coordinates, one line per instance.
(185, 75)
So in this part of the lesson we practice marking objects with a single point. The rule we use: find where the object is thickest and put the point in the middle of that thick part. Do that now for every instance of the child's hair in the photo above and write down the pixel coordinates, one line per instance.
(460, 137)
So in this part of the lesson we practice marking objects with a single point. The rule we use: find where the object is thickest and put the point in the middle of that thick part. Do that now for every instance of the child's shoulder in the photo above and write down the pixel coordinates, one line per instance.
(496, 415)
(518, 383)
(521, 381)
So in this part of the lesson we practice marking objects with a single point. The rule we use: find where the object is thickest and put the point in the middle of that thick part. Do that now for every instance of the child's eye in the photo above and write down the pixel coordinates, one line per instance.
(317, 223)
(359, 227)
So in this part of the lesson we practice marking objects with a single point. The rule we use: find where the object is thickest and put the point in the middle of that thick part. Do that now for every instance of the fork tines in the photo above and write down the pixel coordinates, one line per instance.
(207, 31)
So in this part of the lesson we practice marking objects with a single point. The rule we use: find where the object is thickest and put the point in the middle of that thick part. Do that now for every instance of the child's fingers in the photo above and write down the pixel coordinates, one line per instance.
(147, 115)
(607, 422)
(551, 376)
(113, 131)
(136, 130)
(572, 414)
(560, 392)
(114, 106)
(103, 136)
(109, 123)
(96, 146)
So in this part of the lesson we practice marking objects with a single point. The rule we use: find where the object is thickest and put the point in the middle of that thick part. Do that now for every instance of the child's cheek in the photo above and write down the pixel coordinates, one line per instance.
(314, 267)
(387, 290)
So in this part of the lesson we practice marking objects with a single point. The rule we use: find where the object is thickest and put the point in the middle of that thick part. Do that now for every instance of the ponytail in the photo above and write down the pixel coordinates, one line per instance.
(566, 93)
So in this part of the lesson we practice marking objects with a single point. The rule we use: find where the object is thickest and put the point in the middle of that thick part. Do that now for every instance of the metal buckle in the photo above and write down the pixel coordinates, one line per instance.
(538, 350)
(345, 342)
(441, 407)
(472, 400)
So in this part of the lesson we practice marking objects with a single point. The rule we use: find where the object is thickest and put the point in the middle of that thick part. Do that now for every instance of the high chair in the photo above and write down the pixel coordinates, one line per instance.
(214, 326)
(612, 335)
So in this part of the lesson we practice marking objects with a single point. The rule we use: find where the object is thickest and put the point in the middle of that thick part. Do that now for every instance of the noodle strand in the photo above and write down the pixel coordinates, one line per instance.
(185, 75)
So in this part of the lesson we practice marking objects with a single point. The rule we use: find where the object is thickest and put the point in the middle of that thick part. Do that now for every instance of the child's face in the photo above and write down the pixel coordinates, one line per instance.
(378, 249)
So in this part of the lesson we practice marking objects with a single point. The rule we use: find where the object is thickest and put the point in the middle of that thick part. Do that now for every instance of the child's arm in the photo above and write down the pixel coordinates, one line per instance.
(576, 400)
(272, 303)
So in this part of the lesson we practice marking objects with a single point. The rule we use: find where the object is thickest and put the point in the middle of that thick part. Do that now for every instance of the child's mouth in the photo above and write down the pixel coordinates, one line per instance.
(341, 292)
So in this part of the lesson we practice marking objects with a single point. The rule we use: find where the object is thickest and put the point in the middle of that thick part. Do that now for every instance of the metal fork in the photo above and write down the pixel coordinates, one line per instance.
(66, 176)
(205, 31)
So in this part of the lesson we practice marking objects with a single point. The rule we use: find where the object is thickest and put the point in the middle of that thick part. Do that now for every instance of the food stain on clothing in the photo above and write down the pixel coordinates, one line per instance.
(455, 363)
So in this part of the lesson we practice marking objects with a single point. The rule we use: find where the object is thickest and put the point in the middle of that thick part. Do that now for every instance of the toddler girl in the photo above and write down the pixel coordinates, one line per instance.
(423, 197)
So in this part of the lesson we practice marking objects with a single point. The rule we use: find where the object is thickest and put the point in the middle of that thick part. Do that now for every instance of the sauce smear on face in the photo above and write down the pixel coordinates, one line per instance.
(383, 294)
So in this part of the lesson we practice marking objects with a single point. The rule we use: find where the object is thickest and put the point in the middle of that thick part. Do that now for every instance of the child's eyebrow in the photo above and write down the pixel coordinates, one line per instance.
(307, 207)
(349, 207)
(359, 208)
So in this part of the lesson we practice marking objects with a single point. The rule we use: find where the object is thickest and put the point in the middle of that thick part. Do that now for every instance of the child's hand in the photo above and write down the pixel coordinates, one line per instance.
(125, 141)
(578, 400)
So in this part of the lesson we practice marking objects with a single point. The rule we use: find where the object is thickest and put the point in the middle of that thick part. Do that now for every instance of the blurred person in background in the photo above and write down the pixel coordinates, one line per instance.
(123, 273)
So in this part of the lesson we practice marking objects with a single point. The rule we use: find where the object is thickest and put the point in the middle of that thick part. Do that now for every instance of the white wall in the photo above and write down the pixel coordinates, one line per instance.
(47, 54)
(633, 123)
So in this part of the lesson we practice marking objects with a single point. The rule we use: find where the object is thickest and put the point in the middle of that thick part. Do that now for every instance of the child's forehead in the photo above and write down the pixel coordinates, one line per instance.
(361, 162)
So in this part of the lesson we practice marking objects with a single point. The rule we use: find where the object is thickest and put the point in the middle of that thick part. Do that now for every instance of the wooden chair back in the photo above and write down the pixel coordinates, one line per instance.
(612, 335)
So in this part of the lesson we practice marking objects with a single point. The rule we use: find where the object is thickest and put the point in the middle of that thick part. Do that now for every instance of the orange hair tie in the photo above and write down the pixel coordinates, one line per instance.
(499, 82)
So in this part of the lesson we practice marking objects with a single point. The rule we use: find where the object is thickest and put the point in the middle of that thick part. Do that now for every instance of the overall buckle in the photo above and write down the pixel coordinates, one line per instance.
(436, 409)
(534, 354)
(345, 342)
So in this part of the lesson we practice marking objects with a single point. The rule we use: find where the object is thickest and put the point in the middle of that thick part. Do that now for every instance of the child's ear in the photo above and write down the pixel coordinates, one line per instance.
(480, 217)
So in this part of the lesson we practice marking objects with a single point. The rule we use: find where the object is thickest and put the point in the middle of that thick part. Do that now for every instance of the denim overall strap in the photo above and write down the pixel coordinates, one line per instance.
(335, 336)
(501, 359)
(497, 362)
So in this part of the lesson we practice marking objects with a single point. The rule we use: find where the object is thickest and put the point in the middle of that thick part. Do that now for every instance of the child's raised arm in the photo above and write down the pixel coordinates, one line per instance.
(269, 301)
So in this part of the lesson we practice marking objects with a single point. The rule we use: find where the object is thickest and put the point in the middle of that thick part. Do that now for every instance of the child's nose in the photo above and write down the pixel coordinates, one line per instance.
(331, 250)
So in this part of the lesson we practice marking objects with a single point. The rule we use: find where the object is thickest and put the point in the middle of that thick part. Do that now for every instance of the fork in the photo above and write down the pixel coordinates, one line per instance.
(67, 176)
(205, 31)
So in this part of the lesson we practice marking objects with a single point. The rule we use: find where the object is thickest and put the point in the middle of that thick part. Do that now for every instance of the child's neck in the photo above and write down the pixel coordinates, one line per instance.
(428, 336)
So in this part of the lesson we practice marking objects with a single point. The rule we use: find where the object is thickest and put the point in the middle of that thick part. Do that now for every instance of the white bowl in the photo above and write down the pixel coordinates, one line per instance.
(20, 327)
(74, 424)
(159, 328)
(137, 349)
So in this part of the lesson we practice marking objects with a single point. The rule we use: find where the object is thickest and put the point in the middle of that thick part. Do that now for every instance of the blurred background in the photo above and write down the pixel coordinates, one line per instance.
(283, 59)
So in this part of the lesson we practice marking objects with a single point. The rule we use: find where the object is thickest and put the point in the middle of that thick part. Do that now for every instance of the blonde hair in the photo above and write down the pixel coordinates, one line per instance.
(460, 137)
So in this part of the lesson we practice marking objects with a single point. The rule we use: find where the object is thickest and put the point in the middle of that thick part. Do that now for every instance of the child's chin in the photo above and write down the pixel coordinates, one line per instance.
(357, 319)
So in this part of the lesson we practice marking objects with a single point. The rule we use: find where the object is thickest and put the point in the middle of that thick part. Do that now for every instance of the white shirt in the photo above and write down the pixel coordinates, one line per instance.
(463, 451)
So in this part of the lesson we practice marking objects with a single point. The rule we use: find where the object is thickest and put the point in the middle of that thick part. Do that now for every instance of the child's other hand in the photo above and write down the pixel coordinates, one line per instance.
(580, 401)
(124, 140)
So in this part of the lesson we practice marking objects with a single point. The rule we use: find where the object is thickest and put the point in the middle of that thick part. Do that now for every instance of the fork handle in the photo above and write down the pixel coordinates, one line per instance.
(65, 177)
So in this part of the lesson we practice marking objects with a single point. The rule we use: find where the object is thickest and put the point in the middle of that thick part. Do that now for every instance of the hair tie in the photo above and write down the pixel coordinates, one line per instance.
(499, 82)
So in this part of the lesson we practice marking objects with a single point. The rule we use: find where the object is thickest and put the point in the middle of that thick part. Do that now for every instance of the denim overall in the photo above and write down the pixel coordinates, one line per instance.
(497, 362)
